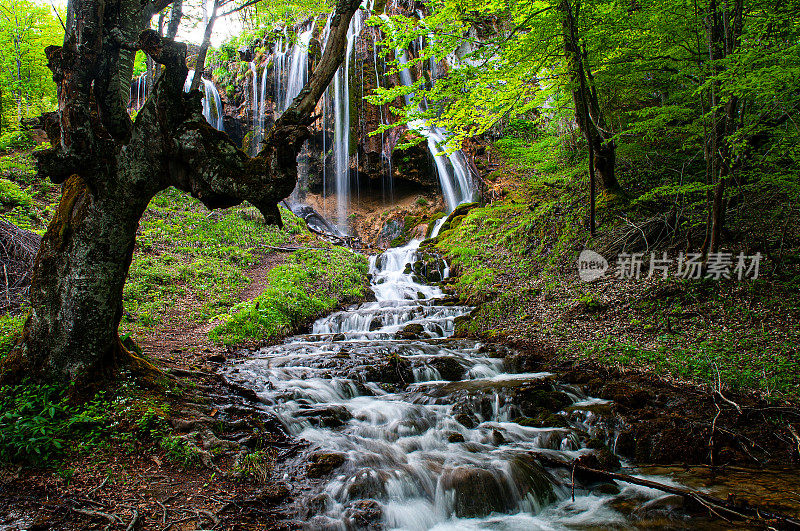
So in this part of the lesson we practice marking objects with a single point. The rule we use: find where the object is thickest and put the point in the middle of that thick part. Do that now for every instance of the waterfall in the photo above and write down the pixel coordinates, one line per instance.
(212, 104)
(298, 67)
(255, 109)
(279, 67)
(454, 175)
(341, 128)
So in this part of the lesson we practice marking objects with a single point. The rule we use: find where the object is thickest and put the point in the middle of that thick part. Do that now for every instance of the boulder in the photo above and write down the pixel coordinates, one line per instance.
(323, 463)
(477, 492)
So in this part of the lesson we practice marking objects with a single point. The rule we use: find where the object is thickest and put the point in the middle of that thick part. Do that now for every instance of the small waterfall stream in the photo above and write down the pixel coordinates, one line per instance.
(212, 103)
(425, 432)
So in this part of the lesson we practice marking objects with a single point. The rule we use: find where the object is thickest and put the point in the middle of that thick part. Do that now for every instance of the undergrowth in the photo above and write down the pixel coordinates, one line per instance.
(310, 283)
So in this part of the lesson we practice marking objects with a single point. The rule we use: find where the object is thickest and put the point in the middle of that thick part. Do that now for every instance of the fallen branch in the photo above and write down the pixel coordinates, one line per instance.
(742, 511)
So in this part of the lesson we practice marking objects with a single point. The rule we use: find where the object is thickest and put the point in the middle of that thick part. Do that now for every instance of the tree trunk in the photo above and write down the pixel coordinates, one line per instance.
(588, 114)
(78, 277)
(111, 168)
(723, 31)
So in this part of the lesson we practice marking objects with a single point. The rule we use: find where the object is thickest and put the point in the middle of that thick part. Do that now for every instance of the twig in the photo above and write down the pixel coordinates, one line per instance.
(133, 520)
(97, 514)
(100, 486)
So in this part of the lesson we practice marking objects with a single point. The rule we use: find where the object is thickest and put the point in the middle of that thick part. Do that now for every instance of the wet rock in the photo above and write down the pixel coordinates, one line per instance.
(375, 324)
(338, 337)
(395, 371)
(477, 492)
(317, 504)
(449, 367)
(323, 463)
(498, 438)
(465, 420)
(412, 331)
(455, 437)
(327, 416)
(366, 483)
(532, 480)
(364, 515)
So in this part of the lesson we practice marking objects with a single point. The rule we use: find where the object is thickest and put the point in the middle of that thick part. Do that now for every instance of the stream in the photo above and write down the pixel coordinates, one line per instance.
(410, 429)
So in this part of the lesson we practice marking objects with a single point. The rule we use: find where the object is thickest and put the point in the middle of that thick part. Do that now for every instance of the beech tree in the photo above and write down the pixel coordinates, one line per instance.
(110, 167)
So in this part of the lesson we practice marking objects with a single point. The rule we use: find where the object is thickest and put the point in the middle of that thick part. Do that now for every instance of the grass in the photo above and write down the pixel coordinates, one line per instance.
(515, 257)
(183, 251)
(309, 284)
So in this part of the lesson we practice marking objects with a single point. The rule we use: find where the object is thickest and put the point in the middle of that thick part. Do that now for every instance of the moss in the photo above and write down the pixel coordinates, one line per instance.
(311, 283)
(183, 250)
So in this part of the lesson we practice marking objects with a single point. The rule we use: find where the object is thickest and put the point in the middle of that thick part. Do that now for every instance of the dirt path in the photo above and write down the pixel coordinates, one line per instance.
(177, 343)
(129, 486)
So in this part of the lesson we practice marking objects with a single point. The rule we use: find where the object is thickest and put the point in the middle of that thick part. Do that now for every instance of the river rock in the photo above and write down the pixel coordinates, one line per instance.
(364, 515)
(532, 481)
(323, 463)
(448, 366)
(328, 416)
(412, 331)
(477, 492)
(366, 483)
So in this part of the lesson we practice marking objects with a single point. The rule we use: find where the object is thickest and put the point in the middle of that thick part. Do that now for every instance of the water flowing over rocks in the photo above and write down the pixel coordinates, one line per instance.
(432, 432)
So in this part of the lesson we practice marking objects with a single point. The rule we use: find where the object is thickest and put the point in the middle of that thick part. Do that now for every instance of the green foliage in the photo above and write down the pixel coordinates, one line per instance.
(15, 140)
(257, 465)
(10, 332)
(42, 423)
(310, 283)
(178, 450)
(26, 85)
(183, 250)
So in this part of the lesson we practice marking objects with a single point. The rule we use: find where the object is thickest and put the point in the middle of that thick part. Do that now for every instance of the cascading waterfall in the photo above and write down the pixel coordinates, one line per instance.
(255, 109)
(279, 69)
(298, 67)
(452, 170)
(212, 103)
(341, 127)
(448, 449)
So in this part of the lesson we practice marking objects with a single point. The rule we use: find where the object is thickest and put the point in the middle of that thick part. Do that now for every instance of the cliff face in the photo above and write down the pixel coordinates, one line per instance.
(375, 162)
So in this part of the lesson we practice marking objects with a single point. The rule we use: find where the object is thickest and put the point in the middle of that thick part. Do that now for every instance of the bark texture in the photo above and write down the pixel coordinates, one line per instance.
(110, 168)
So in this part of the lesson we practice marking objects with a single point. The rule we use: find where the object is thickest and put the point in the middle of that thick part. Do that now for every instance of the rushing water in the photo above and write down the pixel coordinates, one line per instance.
(420, 452)
(212, 103)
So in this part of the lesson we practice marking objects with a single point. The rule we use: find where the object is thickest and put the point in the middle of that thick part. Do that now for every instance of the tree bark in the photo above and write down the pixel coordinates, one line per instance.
(110, 168)
(588, 114)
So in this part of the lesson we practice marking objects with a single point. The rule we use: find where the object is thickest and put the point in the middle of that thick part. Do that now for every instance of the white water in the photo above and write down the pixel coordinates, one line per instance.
(404, 449)
(452, 170)
(341, 126)
(212, 104)
(298, 67)
(255, 109)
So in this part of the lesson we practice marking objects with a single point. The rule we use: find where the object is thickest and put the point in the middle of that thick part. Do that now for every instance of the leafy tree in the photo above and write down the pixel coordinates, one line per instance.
(25, 85)
(110, 167)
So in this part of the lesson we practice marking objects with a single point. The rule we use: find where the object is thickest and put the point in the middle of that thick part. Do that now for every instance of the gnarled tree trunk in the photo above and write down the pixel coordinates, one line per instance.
(111, 167)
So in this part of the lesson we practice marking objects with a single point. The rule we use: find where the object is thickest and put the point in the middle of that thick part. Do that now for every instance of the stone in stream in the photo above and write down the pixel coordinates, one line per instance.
(532, 481)
(476, 492)
(364, 515)
(448, 366)
(412, 331)
(366, 483)
(323, 463)
(328, 416)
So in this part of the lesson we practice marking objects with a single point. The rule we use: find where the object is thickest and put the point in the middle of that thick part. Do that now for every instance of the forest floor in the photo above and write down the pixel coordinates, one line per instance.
(192, 452)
